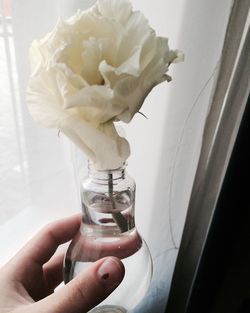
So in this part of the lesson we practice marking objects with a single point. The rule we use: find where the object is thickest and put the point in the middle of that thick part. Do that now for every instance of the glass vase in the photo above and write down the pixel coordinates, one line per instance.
(108, 229)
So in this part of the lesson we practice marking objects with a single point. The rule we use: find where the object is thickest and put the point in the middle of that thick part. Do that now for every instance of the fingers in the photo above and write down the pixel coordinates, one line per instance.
(41, 248)
(86, 290)
(122, 248)
(53, 271)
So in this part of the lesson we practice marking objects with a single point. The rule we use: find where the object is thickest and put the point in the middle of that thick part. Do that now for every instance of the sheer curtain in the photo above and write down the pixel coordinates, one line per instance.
(38, 168)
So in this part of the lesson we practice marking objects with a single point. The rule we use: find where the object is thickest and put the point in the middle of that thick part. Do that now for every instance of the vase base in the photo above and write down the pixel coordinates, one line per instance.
(109, 309)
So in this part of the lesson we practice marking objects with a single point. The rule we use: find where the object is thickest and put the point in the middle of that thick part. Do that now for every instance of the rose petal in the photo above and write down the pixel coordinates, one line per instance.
(91, 57)
(98, 26)
(102, 145)
(135, 32)
(179, 56)
(113, 9)
(43, 101)
(65, 76)
(131, 66)
(94, 52)
(94, 103)
(132, 103)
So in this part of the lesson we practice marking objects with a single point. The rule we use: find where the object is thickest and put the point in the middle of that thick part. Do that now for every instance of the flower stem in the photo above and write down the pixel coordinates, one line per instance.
(117, 216)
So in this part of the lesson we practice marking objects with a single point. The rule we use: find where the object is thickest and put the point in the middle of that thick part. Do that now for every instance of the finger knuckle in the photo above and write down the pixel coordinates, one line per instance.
(81, 292)
(49, 232)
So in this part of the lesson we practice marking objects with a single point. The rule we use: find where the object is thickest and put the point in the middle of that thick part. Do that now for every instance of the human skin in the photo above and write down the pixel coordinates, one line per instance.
(29, 279)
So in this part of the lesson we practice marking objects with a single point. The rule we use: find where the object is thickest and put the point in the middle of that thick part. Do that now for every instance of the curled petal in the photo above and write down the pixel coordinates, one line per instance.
(102, 145)
(92, 56)
(131, 67)
(179, 56)
(43, 102)
(113, 9)
(131, 104)
(94, 103)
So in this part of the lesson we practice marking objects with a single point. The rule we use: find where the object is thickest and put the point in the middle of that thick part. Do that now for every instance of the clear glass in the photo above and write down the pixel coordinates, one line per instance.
(108, 229)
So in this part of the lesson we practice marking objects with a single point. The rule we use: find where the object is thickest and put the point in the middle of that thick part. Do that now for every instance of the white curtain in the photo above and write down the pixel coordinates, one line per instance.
(38, 168)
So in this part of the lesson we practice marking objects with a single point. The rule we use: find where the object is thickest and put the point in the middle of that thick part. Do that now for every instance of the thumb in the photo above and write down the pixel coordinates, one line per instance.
(86, 290)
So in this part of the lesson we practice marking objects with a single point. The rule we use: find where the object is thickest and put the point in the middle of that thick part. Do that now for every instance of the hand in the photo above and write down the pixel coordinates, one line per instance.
(28, 281)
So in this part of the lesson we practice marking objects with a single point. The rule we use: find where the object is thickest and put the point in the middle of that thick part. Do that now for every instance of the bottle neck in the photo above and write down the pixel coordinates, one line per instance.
(106, 175)
(108, 198)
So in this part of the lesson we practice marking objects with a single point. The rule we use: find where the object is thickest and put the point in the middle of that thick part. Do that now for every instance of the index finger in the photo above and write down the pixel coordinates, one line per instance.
(41, 247)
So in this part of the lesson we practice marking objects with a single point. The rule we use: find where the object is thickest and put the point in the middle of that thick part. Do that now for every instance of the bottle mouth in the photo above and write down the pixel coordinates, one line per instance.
(116, 173)
(91, 166)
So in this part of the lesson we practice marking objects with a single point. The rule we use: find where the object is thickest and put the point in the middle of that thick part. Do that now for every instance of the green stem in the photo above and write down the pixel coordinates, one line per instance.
(117, 216)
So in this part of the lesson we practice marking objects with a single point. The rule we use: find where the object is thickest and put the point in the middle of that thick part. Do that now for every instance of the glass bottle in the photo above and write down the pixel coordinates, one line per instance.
(108, 229)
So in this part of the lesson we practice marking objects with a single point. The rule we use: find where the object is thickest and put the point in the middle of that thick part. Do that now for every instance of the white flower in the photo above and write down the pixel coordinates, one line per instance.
(94, 69)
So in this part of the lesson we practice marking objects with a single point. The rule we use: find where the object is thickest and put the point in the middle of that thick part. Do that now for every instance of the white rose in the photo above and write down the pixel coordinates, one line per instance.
(94, 69)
